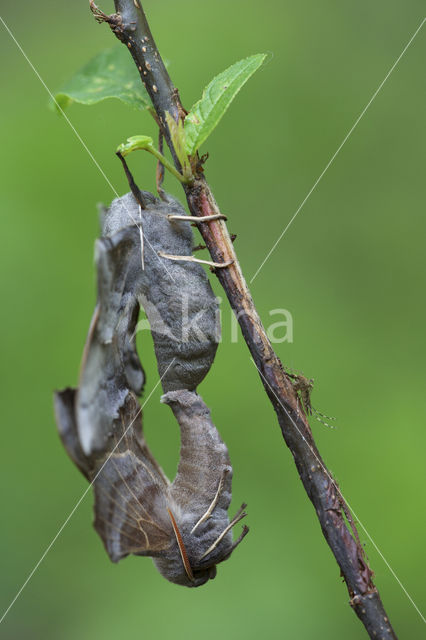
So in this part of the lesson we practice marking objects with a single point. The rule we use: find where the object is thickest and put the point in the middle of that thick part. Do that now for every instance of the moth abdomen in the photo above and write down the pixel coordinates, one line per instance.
(204, 473)
(199, 496)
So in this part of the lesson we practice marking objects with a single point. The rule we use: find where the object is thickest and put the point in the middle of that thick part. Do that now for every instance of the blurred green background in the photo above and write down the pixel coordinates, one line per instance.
(350, 270)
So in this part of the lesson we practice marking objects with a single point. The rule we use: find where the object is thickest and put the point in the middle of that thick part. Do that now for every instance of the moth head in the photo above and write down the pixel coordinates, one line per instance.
(172, 570)
(200, 549)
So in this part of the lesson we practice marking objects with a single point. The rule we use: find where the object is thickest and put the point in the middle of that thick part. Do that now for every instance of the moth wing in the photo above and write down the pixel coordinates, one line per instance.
(131, 509)
(67, 427)
(110, 365)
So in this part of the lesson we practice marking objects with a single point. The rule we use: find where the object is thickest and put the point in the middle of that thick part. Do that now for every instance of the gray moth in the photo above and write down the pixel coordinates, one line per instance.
(183, 525)
(177, 298)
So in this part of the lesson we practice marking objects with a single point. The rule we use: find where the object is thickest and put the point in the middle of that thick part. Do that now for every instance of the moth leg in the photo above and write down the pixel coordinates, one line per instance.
(216, 265)
(299, 402)
(298, 406)
(214, 501)
(238, 516)
(199, 247)
(215, 216)
(323, 415)
(240, 537)
(319, 416)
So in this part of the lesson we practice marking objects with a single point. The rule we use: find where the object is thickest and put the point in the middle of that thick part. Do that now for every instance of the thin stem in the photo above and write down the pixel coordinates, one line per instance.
(132, 184)
(145, 143)
(163, 160)
(159, 176)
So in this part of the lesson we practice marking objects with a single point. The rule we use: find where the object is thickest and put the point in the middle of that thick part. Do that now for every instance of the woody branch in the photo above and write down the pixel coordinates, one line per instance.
(130, 26)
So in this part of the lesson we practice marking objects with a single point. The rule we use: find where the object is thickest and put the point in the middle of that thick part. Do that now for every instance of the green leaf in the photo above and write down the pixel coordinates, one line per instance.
(135, 143)
(177, 134)
(110, 74)
(216, 98)
(145, 143)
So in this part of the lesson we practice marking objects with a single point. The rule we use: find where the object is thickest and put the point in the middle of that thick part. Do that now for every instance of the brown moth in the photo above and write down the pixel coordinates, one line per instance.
(183, 525)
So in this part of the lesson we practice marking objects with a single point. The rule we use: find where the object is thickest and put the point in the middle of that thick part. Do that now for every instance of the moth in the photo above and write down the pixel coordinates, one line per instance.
(183, 525)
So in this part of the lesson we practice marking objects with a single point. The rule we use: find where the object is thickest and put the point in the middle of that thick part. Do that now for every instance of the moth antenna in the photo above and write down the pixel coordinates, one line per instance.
(217, 265)
(196, 219)
(214, 501)
(181, 546)
(238, 516)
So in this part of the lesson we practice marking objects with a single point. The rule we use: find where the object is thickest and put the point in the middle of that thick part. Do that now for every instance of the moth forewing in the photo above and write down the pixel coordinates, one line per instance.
(131, 508)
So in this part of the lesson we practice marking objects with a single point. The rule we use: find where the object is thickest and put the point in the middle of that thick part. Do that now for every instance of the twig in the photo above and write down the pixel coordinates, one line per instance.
(217, 216)
(159, 175)
(130, 26)
(215, 265)
(137, 193)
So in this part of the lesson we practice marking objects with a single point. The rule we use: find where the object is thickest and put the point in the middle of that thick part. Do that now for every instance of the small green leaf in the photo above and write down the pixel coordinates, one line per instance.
(216, 98)
(145, 143)
(110, 74)
(135, 143)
